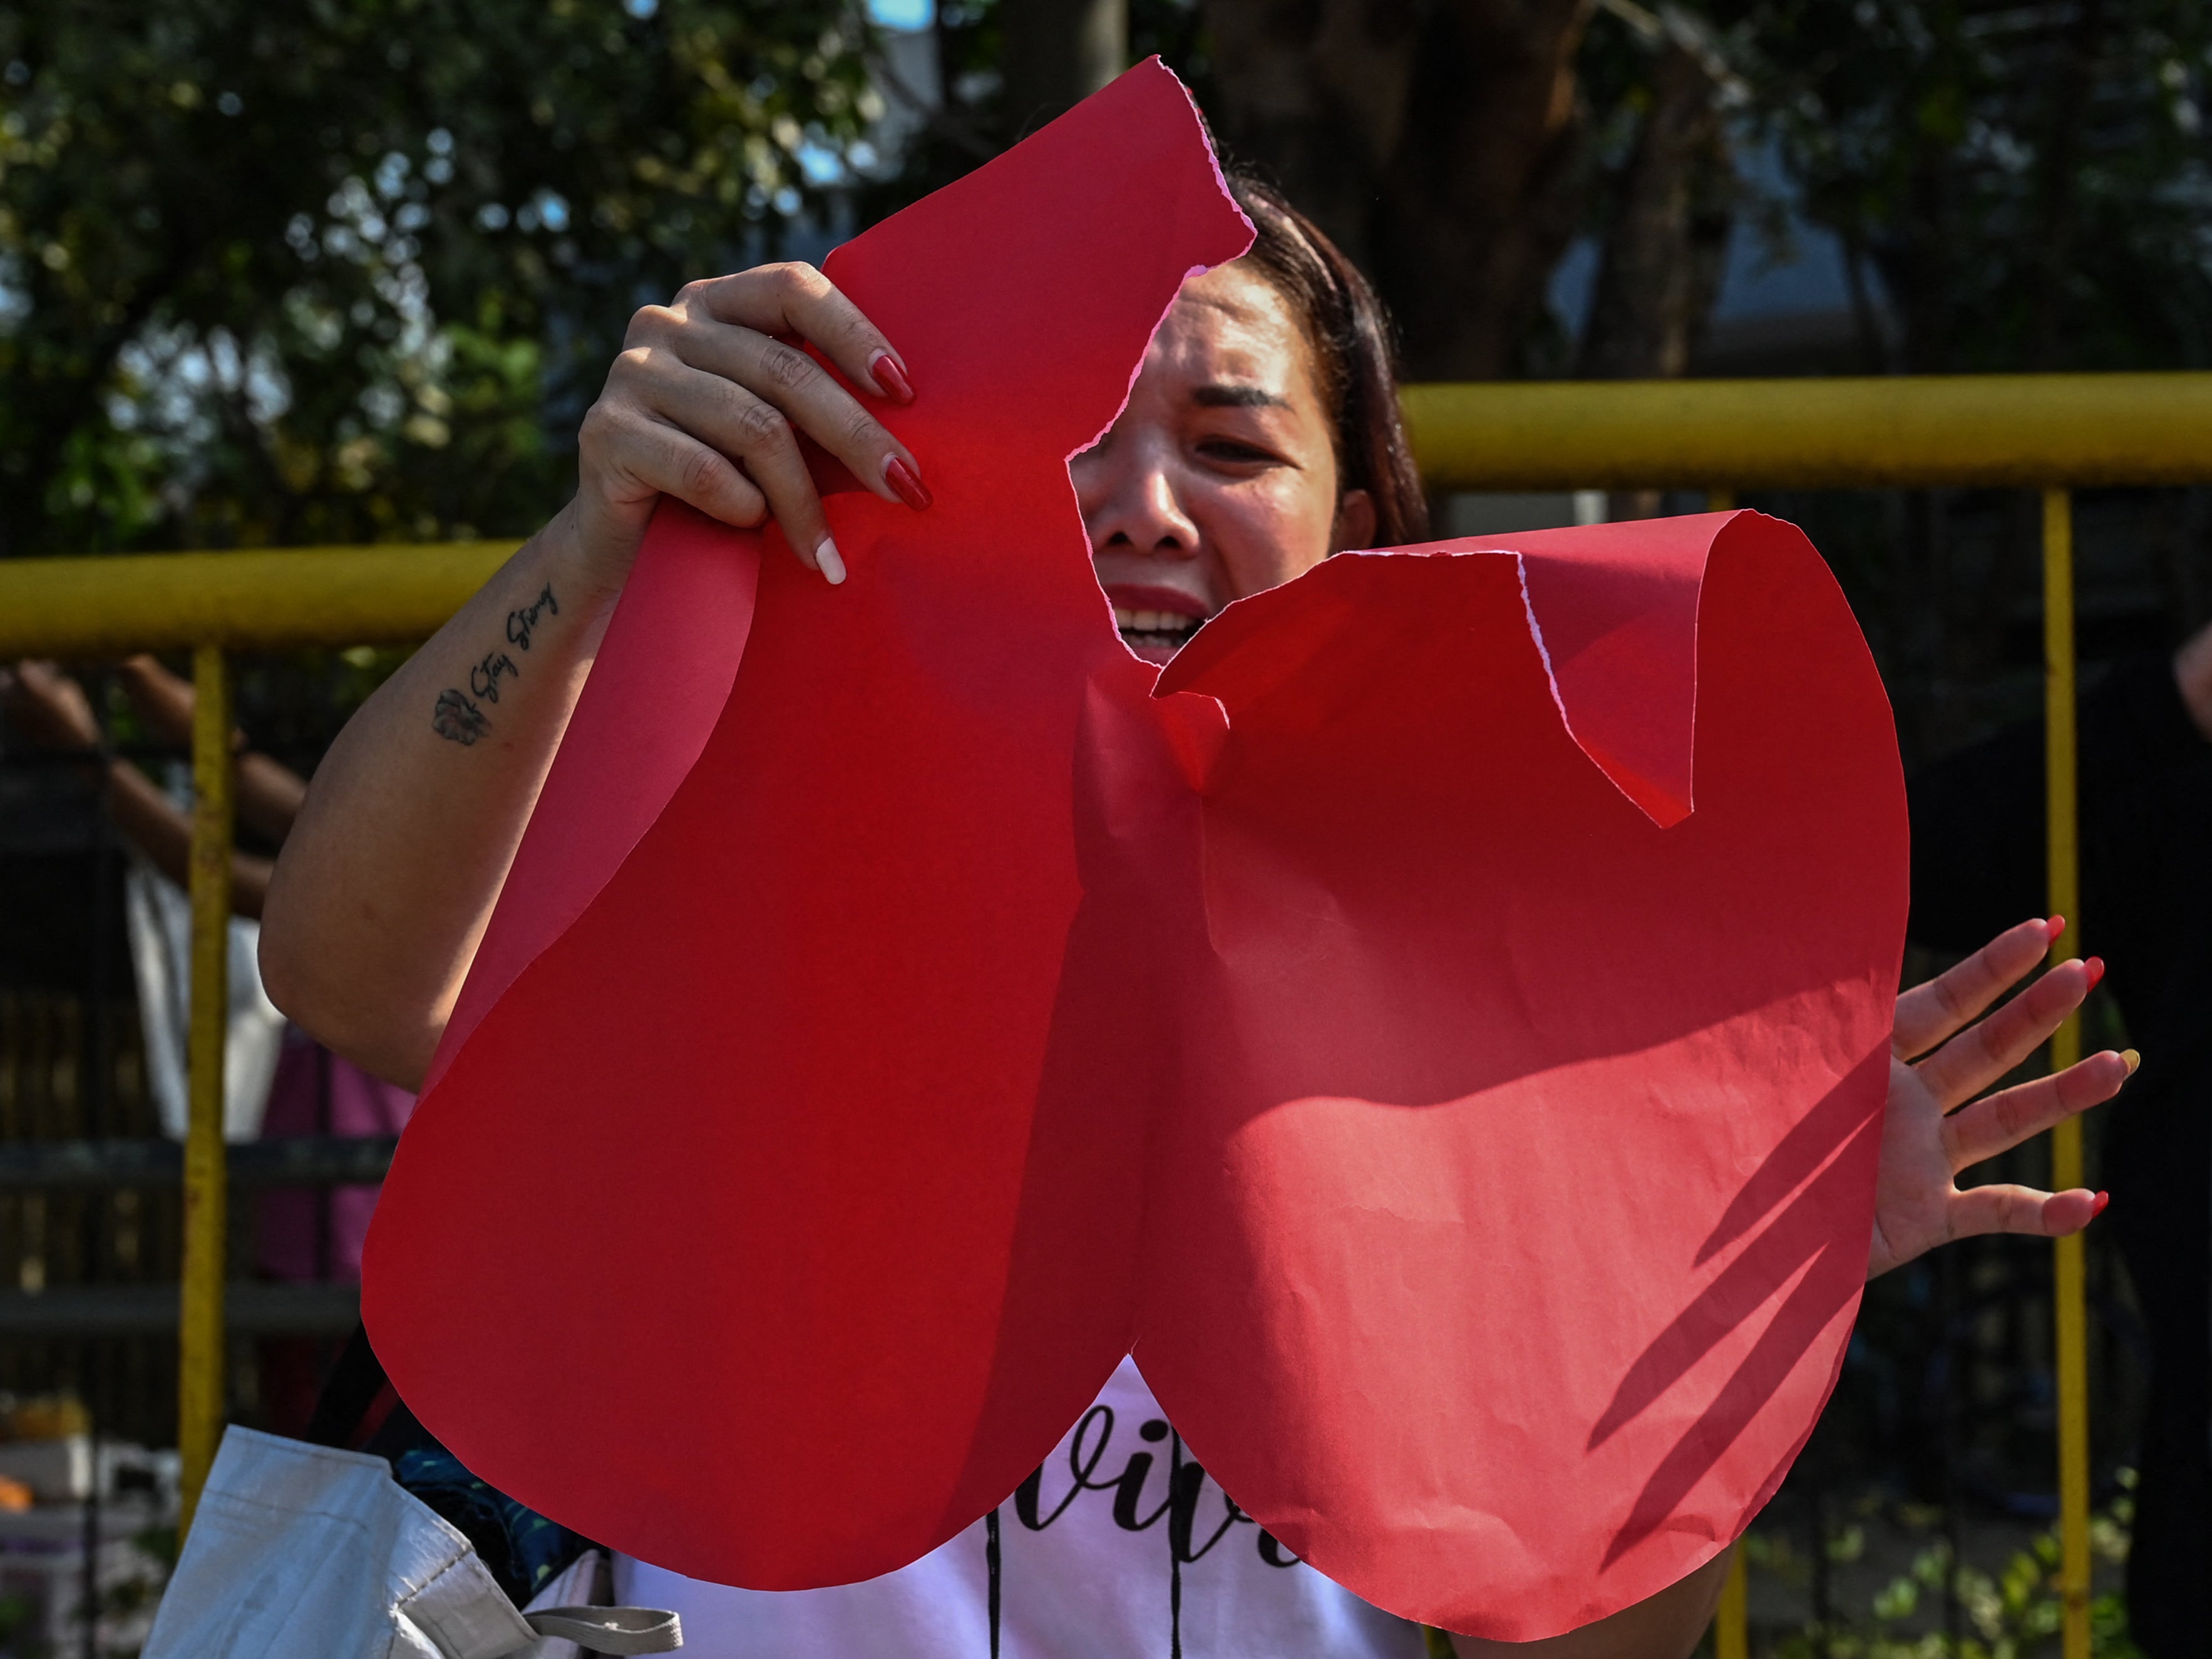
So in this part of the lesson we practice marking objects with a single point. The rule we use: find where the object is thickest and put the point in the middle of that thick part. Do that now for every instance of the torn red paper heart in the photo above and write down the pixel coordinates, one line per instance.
(905, 1002)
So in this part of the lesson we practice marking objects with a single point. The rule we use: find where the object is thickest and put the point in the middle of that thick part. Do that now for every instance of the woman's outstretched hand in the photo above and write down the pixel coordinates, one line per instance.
(1929, 1131)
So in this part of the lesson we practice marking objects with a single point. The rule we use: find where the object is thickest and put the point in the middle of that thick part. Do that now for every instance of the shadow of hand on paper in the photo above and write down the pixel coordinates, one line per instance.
(1800, 1243)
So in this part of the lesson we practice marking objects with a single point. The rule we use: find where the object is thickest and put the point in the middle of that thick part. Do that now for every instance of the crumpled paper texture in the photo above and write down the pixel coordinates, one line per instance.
(1439, 1024)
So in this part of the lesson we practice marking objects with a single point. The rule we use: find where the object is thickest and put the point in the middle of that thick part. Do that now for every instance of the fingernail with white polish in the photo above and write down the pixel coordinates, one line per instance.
(832, 566)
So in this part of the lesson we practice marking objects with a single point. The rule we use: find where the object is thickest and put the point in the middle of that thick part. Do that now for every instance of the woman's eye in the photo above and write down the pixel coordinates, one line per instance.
(1231, 449)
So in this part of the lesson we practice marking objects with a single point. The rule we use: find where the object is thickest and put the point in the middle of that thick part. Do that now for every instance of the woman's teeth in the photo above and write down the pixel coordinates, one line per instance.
(1173, 624)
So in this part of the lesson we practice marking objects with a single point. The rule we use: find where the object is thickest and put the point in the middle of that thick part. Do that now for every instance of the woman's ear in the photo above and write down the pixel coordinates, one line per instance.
(1355, 522)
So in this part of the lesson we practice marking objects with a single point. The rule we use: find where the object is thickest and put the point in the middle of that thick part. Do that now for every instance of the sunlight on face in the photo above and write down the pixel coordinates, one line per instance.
(1219, 479)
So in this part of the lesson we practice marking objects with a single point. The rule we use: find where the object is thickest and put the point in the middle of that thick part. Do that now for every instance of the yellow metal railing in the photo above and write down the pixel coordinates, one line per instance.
(207, 1180)
(1732, 1618)
(96, 607)
(2070, 1323)
(2052, 433)
(2033, 431)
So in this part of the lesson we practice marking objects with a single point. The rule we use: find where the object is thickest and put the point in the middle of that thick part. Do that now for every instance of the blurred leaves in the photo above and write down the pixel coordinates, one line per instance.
(2028, 181)
(2010, 1613)
(332, 273)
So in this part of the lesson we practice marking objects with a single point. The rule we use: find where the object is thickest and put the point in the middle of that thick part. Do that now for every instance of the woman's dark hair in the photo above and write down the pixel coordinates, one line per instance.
(1354, 356)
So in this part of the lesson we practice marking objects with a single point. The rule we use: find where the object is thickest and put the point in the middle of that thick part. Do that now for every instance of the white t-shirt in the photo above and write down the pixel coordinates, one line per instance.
(1086, 1565)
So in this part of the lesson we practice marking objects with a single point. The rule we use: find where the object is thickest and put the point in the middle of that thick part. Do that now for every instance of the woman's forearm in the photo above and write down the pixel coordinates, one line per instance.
(1664, 1626)
(389, 876)
(390, 871)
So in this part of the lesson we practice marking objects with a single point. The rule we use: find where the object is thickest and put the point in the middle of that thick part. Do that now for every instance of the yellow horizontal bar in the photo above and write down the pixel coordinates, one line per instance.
(100, 606)
(2043, 431)
(2034, 431)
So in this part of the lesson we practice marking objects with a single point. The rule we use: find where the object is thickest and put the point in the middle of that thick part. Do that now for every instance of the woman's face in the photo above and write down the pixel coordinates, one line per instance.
(1220, 478)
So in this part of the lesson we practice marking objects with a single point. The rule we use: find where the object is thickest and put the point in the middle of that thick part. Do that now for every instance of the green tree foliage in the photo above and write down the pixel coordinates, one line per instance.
(318, 272)
(2028, 180)
(330, 272)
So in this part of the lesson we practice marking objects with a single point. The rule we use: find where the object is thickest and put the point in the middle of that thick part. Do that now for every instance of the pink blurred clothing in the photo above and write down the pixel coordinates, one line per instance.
(317, 1093)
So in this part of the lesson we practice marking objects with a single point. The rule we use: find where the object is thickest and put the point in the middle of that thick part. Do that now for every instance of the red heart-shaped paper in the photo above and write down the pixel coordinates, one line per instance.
(905, 1002)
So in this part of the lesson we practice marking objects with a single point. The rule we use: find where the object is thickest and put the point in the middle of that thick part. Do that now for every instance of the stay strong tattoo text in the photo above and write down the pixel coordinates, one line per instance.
(459, 716)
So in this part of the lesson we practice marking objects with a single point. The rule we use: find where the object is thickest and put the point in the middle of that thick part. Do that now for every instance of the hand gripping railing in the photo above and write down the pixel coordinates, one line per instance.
(2049, 432)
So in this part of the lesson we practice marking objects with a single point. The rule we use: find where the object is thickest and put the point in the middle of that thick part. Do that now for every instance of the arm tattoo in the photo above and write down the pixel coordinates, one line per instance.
(458, 720)
(520, 623)
(483, 679)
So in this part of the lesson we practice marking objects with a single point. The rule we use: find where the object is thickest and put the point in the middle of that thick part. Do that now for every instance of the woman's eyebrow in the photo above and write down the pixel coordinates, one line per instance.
(1220, 396)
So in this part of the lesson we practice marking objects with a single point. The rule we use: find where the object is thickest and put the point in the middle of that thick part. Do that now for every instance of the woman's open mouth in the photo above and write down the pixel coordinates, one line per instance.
(1156, 619)
(1154, 631)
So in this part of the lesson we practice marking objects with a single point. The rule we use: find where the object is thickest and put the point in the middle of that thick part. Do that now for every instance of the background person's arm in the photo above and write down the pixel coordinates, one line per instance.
(161, 830)
(54, 711)
(2192, 678)
(1664, 1626)
(267, 792)
(389, 876)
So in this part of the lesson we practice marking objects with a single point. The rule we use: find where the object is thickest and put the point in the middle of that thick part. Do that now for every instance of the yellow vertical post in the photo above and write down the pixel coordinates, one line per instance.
(200, 1342)
(2065, 878)
(1732, 1618)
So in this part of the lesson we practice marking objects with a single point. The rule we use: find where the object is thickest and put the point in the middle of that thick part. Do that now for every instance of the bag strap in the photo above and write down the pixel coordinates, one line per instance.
(611, 1630)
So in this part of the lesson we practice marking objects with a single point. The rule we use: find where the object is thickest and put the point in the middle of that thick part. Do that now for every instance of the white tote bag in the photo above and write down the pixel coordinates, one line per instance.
(159, 917)
(307, 1549)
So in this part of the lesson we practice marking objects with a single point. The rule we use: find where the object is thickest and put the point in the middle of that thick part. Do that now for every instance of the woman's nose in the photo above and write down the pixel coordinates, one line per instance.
(1131, 506)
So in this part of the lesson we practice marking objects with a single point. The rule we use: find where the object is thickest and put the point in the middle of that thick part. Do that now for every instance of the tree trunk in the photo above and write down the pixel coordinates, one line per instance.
(1058, 52)
(1486, 187)
(1666, 248)
(1438, 142)
(1314, 95)
(2073, 95)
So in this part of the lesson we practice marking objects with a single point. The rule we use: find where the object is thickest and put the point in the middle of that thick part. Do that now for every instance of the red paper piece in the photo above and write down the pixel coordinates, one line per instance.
(905, 1002)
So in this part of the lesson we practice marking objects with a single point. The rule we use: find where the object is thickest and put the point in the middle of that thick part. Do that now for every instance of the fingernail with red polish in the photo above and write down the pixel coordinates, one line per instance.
(2103, 1198)
(2096, 967)
(892, 378)
(901, 477)
(2054, 927)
